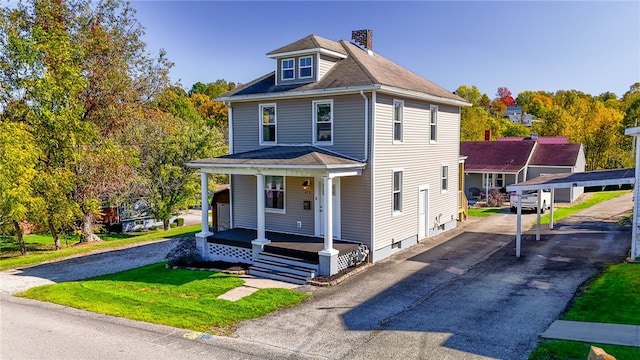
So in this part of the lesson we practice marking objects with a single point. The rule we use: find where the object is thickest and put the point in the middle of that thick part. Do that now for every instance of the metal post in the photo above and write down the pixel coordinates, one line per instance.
(553, 199)
(519, 222)
(538, 214)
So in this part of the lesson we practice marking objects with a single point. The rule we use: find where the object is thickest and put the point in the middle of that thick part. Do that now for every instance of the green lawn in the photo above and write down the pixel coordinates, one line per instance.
(484, 212)
(41, 248)
(611, 297)
(179, 298)
(562, 212)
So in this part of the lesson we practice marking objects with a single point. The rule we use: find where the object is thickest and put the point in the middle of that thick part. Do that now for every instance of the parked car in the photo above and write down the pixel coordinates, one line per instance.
(530, 200)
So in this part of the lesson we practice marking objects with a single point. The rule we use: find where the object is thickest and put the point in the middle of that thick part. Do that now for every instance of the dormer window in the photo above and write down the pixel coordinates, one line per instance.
(288, 69)
(306, 66)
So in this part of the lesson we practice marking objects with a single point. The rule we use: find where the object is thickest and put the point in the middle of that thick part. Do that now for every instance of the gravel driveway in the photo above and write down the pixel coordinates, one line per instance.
(82, 267)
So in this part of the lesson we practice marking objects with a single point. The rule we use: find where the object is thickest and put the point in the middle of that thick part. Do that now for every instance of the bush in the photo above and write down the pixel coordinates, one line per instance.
(153, 227)
(173, 225)
(495, 199)
(180, 221)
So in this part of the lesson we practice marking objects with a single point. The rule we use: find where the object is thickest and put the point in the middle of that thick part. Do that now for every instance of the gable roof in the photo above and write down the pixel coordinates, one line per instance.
(299, 156)
(539, 139)
(360, 70)
(555, 155)
(492, 156)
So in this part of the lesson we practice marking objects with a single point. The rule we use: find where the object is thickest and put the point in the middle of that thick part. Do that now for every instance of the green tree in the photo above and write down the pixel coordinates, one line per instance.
(172, 136)
(18, 159)
(471, 94)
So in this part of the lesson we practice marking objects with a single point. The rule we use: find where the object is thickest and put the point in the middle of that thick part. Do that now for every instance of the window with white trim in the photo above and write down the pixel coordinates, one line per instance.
(323, 122)
(433, 124)
(305, 67)
(495, 180)
(445, 178)
(274, 193)
(288, 69)
(398, 110)
(268, 123)
(397, 191)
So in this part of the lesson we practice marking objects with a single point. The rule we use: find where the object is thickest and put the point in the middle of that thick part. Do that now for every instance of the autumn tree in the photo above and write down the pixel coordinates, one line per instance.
(504, 94)
(18, 159)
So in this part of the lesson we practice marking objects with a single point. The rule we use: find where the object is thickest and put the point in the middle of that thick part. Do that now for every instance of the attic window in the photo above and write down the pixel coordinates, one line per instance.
(306, 67)
(288, 66)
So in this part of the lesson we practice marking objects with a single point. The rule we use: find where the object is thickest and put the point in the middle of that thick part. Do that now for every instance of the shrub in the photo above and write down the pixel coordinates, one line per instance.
(153, 227)
(173, 225)
(495, 199)
(180, 221)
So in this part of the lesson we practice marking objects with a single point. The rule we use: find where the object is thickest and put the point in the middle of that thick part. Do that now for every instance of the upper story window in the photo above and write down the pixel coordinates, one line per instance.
(445, 178)
(305, 67)
(323, 122)
(398, 109)
(288, 69)
(267, 123)
(397, 192)
(274, 193)
(433, 124)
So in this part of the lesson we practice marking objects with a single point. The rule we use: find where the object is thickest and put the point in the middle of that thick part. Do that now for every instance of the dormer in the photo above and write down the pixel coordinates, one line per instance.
(306, 60)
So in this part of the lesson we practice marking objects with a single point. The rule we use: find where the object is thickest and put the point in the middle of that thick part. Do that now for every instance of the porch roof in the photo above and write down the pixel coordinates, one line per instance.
(283, 157)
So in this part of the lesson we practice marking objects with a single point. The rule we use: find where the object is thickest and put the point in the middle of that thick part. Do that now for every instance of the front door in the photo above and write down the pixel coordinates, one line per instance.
(319, 196)
(423, 213)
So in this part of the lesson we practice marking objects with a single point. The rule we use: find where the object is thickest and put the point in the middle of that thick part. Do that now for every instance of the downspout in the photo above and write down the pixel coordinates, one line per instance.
(366, 126)
(374, 256)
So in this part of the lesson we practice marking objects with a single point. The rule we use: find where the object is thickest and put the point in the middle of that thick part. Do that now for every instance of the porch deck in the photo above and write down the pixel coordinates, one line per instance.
(299, 246)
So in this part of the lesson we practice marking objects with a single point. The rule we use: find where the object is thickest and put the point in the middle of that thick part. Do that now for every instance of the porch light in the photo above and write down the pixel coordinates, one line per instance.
(306, 185)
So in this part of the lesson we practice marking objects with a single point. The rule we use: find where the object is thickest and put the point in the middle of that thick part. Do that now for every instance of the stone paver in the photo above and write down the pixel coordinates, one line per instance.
(615, 334)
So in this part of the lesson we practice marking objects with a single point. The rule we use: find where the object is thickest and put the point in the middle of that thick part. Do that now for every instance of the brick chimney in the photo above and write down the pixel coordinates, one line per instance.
(487, 135)
(363, 38)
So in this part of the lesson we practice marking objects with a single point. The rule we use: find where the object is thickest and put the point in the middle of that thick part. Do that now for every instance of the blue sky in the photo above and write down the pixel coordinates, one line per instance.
(592, 47)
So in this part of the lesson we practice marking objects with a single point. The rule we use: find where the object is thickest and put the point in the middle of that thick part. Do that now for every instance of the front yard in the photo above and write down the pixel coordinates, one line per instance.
(180, 298)
(611, 297)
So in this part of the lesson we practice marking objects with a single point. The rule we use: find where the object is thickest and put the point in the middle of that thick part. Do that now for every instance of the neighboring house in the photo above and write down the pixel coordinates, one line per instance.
(492, 165)
(516, 116)
(336, 116)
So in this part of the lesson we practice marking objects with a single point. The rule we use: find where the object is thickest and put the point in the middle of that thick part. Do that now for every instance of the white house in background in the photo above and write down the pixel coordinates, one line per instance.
(337, 156)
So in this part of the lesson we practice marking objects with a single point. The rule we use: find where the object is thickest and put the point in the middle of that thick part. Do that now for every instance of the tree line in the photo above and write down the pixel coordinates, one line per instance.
(88, 117)
(598, 122)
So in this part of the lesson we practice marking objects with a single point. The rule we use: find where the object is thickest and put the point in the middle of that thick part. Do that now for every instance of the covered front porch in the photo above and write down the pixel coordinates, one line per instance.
(289, 182)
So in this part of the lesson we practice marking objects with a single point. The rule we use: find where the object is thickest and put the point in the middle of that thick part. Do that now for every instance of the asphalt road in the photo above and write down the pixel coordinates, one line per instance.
(463, 296)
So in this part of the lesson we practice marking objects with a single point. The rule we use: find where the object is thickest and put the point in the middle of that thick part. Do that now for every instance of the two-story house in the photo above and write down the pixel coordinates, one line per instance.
(337, 156)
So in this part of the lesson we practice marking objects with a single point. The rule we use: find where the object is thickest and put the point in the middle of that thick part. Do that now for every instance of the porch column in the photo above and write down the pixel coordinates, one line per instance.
(538, 214)
(258, 244)
(260, 207)
(518, 222)
(201, 237)
(553, 200)
(328, 256)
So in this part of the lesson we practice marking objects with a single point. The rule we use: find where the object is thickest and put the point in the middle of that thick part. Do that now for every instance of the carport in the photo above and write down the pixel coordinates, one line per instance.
(568, 180)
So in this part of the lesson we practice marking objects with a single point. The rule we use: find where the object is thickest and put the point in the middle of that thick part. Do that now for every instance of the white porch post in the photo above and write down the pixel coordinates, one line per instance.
(538, 214)
(328, 256)
(258, 244)
(260, 207)
(553, 199)
(201, 237)
(519, 222)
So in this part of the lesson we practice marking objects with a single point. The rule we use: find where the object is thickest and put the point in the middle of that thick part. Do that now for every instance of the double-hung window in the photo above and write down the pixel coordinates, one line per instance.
(323, 122)
(305, 67)
(397, 192)
(267, 123)
(398, 109)
(288, 69)
(445, 178)
(274, 193)
(433, 124)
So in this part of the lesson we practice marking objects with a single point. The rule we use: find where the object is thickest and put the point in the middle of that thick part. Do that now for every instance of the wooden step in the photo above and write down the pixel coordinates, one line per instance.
(277, 275)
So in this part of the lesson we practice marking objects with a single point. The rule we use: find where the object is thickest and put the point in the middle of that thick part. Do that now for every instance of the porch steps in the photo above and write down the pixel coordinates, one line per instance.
(283, 268)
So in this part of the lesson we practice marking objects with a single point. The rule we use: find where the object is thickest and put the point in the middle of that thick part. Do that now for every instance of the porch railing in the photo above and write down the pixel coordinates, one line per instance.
(463, 206)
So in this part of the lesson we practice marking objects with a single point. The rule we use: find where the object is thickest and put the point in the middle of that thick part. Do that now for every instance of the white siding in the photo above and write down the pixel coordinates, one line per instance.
(421, 163)
(326, 63)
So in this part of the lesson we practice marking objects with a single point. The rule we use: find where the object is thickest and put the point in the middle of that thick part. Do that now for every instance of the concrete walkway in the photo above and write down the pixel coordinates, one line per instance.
(615, 334)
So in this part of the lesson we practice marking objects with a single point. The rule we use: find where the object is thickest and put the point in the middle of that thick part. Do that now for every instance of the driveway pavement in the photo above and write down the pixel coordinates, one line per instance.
(463, 295)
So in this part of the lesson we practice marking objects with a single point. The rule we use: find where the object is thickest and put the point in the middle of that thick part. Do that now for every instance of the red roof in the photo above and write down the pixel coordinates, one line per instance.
(493, 156)
(555, 155)
(540, 139)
